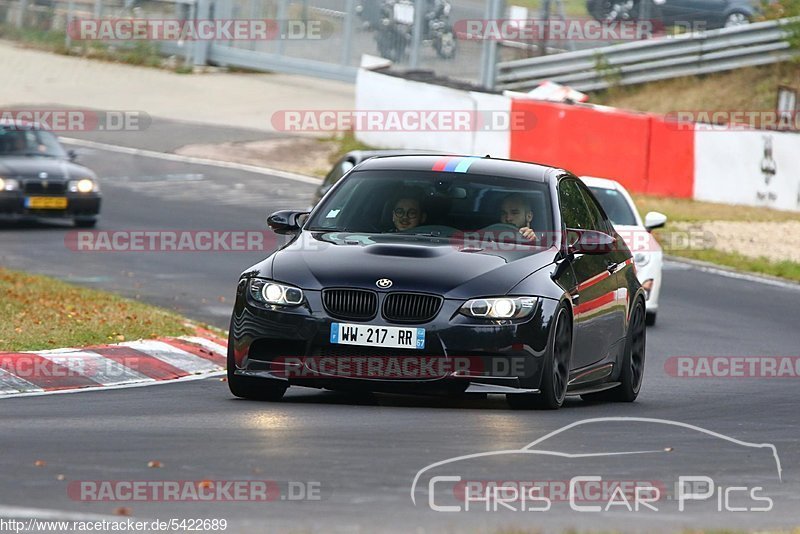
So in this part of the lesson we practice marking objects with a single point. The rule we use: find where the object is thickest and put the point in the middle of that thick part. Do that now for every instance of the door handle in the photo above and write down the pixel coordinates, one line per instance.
(611, 266)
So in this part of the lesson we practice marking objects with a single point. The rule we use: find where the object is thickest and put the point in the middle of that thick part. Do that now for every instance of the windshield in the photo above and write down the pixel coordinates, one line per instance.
(29, 142)
(615, 205)
(435, 204)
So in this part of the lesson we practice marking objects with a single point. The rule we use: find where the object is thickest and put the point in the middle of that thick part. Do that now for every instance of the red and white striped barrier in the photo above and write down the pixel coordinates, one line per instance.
(127, 364)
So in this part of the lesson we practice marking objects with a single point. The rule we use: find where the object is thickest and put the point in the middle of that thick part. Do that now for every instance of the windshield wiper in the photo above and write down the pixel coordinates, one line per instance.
(32, 154)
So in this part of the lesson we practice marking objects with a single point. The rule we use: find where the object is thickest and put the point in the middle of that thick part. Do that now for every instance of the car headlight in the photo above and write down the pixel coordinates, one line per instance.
(84, 185)
(8, 184)
(268, 292)
(499, 308)
(641, 259)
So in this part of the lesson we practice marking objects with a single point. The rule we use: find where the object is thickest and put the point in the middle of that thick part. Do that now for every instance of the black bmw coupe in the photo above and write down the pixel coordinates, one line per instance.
(444, 275)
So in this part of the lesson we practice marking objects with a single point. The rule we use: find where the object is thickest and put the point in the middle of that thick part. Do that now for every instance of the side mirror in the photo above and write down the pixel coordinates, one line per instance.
(72, 155)
(654, 220)
(286, 221)
(589, 242)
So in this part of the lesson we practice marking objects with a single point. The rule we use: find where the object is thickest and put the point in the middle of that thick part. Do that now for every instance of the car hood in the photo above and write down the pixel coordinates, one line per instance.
(31, 167)
(454, 269)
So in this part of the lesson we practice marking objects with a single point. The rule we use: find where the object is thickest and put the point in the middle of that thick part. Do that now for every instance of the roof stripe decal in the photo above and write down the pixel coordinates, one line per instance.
(440, 165)
(465, 163)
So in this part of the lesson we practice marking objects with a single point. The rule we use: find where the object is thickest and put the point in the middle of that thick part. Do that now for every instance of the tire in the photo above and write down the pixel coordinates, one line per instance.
(736, 18)
(650, 319)
(555, 374)
(632, 372)
(85, 223)
(246, 387)
(391, 45)
(445, 45)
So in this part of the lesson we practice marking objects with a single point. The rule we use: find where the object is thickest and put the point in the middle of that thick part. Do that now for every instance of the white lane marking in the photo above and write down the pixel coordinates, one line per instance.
(18, 512)
(11, 384)
(193, 160)
(208, 344)
(94, 366)
(733, 274)
(187, 378)
(174, 356)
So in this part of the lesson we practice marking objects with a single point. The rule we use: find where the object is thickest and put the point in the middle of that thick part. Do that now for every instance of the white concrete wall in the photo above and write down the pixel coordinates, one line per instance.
(375, 91)
(730, 168)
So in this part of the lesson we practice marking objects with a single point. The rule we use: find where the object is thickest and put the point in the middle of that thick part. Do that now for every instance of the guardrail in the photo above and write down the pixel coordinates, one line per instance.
(655, 59)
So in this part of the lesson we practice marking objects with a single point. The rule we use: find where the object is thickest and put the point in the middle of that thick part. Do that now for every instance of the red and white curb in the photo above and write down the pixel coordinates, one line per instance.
(128, 364)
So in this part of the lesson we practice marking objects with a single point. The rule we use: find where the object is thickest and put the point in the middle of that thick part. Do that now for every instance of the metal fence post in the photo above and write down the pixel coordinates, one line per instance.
(494, 11)
(67, 38)
(202, 12)
(416, 37)
(23, 7)
(283, 9)
(347, 31)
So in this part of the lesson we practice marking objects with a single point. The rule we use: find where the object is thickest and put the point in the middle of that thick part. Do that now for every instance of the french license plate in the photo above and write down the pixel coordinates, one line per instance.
(404, 13)
(378, 336)
(46, 203)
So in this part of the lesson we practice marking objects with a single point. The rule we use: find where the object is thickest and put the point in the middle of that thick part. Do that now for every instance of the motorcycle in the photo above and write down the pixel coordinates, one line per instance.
(613, 10)
(396, 30)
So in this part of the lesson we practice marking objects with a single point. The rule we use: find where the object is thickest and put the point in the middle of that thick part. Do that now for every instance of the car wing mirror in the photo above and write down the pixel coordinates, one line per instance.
(72, 155)
(287, 221)
(589, 242)
(654, 220)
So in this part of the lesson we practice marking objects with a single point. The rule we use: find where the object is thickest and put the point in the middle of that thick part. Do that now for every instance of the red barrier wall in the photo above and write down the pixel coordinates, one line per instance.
(670, 170)
(641, 151)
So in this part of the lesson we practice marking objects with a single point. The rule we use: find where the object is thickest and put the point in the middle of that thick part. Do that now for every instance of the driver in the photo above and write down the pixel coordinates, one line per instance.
(407, 213)
(516, 211)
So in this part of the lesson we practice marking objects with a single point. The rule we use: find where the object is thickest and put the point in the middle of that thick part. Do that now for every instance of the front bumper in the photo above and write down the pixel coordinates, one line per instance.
(293, 345)
(78, 205)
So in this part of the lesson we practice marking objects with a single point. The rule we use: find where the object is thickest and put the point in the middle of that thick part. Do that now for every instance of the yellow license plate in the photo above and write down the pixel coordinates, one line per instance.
(46, 203)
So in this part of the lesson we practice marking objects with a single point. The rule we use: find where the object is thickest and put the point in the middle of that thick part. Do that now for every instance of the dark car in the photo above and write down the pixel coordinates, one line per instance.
(697, 15)
(350, 160)
(461, 302)
(38, 178)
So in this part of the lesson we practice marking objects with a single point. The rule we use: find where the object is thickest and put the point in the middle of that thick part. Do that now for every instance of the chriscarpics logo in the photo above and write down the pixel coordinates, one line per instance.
(626, 465)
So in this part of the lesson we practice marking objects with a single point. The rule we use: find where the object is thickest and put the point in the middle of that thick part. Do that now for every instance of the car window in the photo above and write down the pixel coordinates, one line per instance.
(29, 142)
(601, 223)
(574, 211)
(615, 205)
(339, 170)
(441, 204)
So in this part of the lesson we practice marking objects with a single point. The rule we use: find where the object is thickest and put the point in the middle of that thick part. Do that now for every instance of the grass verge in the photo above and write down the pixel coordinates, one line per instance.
(680, 210)
(687, 210)
(43, 313)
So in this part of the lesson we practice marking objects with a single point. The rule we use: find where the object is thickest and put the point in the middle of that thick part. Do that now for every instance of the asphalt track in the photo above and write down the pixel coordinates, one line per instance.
(364, 452)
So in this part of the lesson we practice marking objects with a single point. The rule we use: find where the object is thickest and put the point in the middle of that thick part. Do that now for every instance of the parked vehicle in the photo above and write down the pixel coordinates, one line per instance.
(396, 30)
(693, 14)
